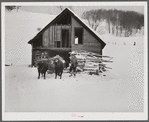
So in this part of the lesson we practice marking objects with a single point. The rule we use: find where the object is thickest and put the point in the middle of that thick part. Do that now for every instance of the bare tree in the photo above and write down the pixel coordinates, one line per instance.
(93, 17)
(60, 8)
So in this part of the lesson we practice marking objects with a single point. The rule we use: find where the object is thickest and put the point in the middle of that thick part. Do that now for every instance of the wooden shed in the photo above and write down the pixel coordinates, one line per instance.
(66, 33)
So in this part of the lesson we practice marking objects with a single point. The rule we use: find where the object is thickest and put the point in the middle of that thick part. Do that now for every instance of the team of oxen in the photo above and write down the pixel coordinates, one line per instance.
(57, 65)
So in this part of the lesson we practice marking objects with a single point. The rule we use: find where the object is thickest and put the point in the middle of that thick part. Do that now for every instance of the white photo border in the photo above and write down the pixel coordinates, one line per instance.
(10, 116)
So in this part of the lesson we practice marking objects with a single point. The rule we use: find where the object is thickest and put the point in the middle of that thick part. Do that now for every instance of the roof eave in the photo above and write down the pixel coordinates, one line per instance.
(30, 42)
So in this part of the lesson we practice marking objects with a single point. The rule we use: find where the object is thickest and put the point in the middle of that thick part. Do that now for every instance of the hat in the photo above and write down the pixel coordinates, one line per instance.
(72, 53)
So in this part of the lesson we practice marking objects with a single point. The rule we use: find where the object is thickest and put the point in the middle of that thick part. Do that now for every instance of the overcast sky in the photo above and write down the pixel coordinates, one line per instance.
(79, 9)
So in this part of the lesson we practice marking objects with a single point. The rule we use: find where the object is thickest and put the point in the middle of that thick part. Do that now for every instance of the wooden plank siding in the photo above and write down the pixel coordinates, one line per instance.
(52, 38)
(61, 36)
(45, 38)
(51, 41)
(53, 34)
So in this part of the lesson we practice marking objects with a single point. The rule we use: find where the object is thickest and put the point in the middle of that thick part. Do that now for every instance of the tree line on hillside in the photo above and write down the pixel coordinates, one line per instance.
(119, 22)
(10, 8)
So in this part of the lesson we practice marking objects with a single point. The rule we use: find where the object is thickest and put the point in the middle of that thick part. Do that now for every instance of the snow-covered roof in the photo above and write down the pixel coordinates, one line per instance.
(67, 9)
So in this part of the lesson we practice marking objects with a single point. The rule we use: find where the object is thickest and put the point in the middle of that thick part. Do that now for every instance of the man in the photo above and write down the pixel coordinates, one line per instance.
(73, 64)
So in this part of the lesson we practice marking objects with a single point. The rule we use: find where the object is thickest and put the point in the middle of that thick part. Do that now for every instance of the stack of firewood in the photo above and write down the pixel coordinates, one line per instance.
(88, 61)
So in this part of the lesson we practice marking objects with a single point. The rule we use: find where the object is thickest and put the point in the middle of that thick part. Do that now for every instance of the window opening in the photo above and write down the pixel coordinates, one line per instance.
(78, 35)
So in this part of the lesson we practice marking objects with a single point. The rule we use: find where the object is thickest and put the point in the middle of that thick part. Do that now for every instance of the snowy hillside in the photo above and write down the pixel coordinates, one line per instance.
(20, 27)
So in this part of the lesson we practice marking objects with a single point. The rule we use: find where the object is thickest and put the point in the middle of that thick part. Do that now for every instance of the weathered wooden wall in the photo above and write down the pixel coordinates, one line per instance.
(45, 38)
(53, 34)
(89, 42)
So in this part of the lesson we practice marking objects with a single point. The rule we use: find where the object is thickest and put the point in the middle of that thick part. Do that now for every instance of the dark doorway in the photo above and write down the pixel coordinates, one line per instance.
(65, 38)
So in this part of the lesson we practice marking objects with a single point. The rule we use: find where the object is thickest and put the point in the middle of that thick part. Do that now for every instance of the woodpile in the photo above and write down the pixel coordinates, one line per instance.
(92, 62)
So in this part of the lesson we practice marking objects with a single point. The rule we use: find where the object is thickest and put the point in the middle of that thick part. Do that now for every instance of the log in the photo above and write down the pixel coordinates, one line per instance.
(108, 67)
(107, 61)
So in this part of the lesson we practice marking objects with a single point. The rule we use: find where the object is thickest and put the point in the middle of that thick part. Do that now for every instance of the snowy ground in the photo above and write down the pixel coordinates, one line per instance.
(121, 90)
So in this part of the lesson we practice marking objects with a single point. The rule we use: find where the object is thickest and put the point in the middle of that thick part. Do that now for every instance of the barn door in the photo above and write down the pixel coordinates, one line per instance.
(65, 38)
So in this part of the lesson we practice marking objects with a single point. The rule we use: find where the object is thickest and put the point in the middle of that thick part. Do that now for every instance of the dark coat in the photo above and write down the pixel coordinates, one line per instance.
(74, 61)
(74, 64)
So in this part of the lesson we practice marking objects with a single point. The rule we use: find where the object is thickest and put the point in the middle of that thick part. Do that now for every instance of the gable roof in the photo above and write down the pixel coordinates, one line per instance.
(94, 33)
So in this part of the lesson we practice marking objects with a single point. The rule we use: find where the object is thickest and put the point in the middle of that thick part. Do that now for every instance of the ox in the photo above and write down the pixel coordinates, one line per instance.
(42, 68)
(59, 66)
